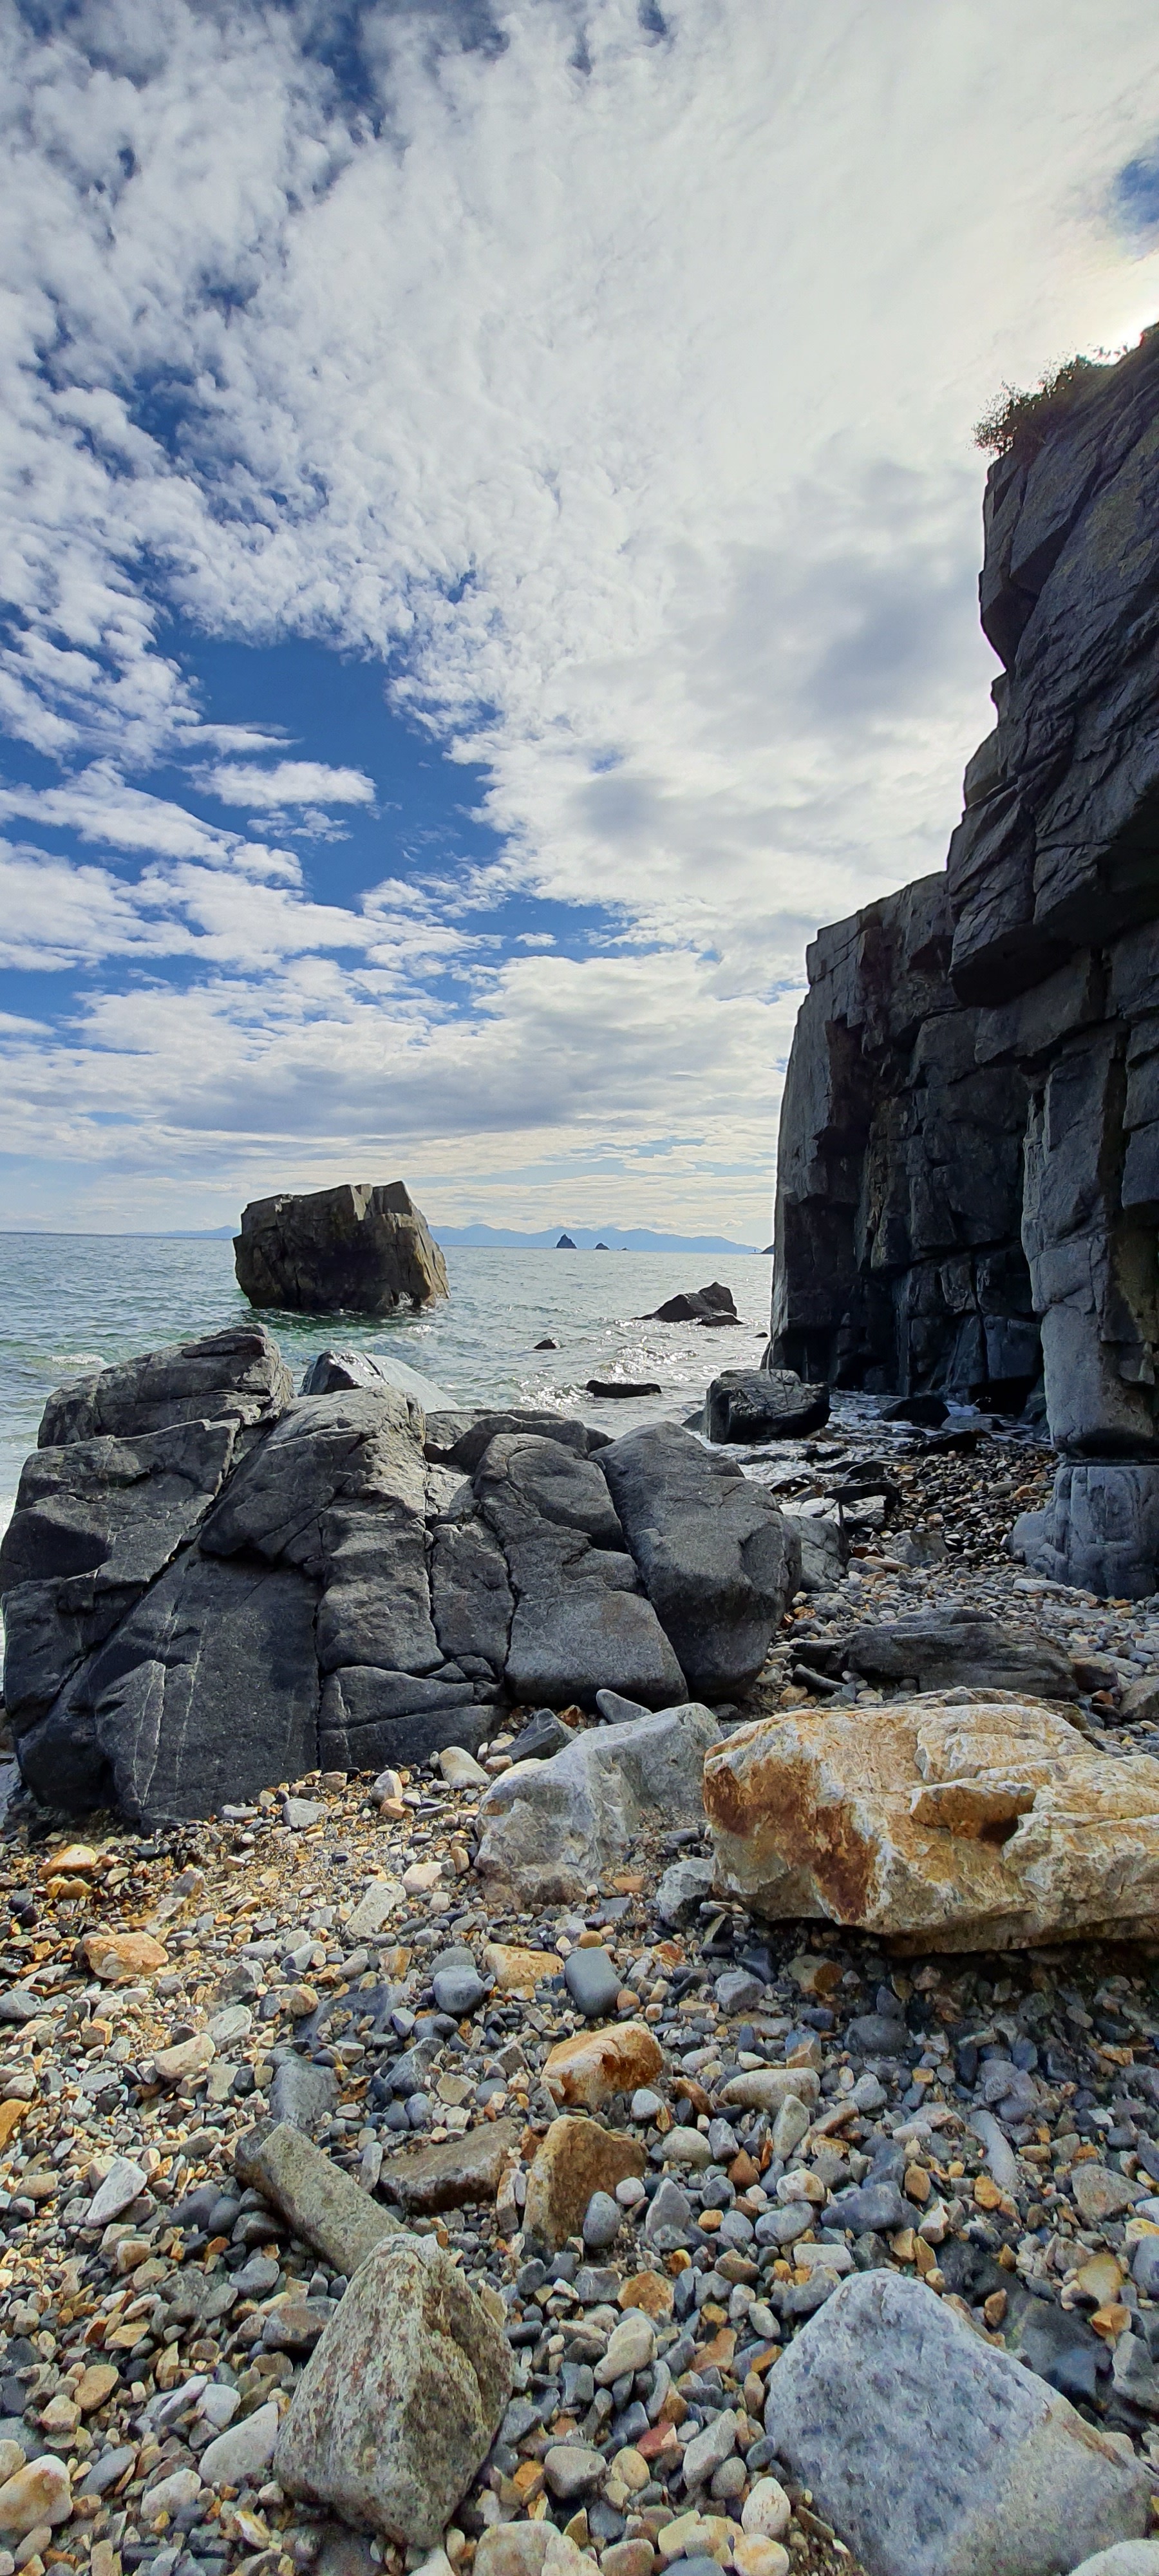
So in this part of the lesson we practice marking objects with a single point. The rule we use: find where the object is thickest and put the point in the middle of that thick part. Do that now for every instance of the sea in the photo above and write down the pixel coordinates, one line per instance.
(73, 1302)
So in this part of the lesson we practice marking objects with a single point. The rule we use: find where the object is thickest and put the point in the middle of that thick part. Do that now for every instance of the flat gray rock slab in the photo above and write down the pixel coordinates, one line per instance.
(935, 2454)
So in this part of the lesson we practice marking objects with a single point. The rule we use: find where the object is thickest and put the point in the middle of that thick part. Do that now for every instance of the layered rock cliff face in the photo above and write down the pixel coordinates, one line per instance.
(968, 1186)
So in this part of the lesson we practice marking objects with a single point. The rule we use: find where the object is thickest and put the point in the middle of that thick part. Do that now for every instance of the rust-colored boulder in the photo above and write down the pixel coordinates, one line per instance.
(576, 2158)
(965, 1826)
(588, 2069)
(119, 1957)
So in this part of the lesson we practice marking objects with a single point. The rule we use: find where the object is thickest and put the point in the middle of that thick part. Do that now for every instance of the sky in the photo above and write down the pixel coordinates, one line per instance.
(490, 540)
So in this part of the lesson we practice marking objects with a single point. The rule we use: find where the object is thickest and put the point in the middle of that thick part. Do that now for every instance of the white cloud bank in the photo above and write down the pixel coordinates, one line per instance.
(614, 375)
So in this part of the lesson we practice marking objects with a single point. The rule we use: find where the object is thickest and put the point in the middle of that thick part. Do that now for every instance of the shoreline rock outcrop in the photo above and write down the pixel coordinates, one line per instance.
(197, 1607)
(361, 1249)
(968, 1181)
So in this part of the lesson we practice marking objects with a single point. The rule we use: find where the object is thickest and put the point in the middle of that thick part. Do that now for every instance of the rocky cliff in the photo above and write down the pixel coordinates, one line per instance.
(968, 1183)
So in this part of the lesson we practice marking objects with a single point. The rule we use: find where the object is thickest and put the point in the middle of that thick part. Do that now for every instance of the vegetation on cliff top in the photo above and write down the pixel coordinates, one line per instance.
(1016, 415)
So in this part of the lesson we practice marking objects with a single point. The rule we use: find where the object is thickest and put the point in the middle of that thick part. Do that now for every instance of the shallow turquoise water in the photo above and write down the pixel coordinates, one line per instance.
(70, 1302)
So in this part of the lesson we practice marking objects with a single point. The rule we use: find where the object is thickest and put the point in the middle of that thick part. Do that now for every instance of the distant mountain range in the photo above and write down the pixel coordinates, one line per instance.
(498, 1238)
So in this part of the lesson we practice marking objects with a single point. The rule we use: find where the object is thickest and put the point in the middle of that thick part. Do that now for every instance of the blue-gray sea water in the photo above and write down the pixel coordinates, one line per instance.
(70, 1302)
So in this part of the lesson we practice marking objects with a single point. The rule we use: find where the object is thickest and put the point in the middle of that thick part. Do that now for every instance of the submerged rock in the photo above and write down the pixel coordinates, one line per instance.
(363, 1248)
(712, 1305)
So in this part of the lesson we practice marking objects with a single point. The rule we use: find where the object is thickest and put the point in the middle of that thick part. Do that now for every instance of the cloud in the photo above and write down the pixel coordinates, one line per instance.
(606, 374)
(289, 782)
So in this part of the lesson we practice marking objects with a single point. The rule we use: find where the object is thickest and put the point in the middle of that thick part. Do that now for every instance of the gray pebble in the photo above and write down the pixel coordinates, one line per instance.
(601, 2223)
(593, 1982)
(458, 1991)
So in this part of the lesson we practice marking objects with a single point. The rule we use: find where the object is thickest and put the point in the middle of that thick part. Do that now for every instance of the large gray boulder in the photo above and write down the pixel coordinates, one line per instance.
(94, 1522)
(581, 1622)
(208, 1690)
(547, 1829)
(326, 1451)
(361, 1249)
(370, 1718)
(747, 1405)
(459, 1439)
(471, 1599)
(933, 2453)
(401, 2398)
(377, 1604)
(717, 1558)
(236, 1376)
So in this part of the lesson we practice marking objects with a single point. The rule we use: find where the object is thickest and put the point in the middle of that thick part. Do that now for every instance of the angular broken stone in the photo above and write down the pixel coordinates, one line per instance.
(321, 2203)
(122, 2185)
(576, 2158)
(452, 2172)
(302, 2095)
(518, 1972)
(974, 1826)
(401, 2399)
(175, 2065)
(119, 1957)
(549, 1828)
(928, 2449)
(1100, 2194)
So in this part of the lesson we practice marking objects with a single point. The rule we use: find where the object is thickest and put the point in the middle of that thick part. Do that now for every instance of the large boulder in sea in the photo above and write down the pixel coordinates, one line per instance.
(363, 1248)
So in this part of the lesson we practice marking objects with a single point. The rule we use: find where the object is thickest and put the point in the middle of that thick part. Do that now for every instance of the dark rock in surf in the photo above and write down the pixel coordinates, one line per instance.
(361, 1248)
(712, 1305)
(763, 1404)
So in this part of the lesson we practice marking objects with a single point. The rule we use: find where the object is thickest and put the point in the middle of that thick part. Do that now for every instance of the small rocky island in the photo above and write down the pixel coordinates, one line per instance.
(360, 1249)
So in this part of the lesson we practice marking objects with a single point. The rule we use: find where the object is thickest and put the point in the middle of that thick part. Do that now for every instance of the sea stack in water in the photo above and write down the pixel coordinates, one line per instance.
(363, 1249)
